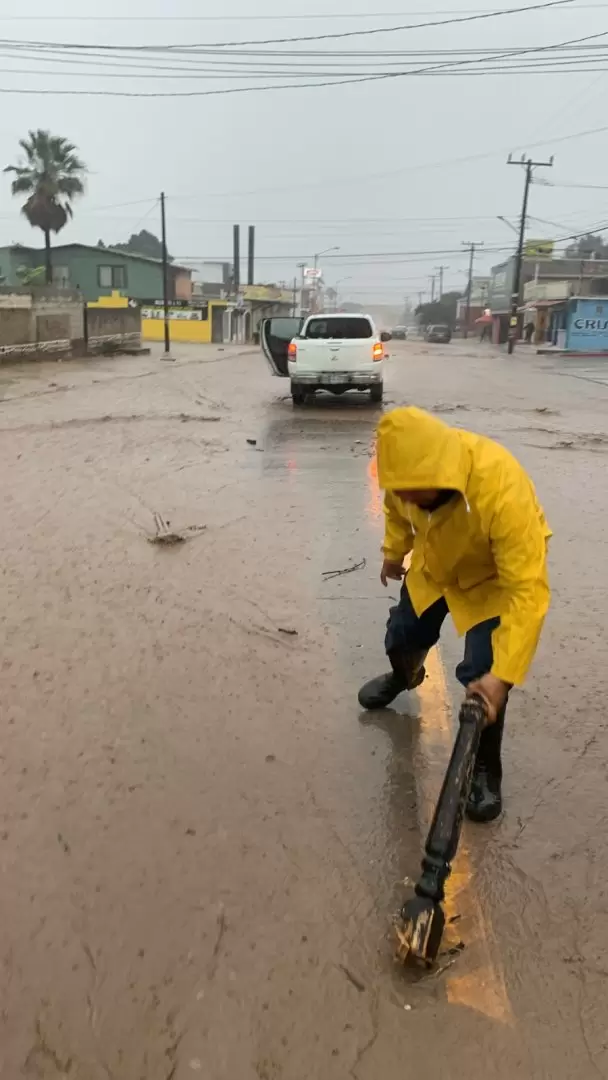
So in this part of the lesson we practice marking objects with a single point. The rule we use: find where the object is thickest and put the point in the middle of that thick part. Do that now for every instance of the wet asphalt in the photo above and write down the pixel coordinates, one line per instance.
(202, 840)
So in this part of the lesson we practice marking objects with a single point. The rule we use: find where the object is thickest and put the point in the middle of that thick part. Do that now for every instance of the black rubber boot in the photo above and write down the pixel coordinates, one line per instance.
(485, 800)
(408, 672)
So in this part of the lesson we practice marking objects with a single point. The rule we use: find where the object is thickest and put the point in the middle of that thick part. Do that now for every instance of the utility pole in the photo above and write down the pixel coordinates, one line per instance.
(472, 246)
(529, 166)
(165, 260)
(301, 268)
(432, 288)
(441, 269)
(251, 256)
(236, 282)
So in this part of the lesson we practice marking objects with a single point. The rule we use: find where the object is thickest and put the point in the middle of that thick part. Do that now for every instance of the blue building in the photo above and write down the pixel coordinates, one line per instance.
(586, 324)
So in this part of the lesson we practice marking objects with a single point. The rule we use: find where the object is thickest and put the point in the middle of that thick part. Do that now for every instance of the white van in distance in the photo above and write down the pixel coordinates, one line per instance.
(335, 352)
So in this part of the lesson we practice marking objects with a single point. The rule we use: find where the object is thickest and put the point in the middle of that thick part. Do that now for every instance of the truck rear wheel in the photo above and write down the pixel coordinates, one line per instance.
(298, 397)
(376, 393)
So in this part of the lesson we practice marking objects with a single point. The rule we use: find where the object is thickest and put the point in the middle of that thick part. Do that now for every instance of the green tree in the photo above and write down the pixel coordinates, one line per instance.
(439, 311)
(141, 243)
(30, 275)
(51, 174)
(588, 247)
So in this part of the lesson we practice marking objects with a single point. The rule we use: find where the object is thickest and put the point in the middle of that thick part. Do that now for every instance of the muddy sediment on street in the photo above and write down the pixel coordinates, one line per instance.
(202, 840)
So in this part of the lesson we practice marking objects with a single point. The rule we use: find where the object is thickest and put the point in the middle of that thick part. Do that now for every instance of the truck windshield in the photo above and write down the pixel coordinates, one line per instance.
(336, 326)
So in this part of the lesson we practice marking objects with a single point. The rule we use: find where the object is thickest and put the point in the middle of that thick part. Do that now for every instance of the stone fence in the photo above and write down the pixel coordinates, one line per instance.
(38, 322)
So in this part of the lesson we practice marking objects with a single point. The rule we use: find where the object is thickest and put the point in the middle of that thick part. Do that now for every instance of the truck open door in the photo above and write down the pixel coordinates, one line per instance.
(275, 336)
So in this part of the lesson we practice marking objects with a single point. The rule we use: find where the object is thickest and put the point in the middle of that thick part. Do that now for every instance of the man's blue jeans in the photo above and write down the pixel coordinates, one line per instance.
(407, 632)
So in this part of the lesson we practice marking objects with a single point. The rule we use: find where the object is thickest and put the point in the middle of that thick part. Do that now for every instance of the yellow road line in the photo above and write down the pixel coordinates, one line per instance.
(482, 986)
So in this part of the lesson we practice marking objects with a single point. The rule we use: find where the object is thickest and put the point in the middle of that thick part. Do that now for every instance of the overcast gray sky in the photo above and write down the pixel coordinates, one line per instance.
(370, 167)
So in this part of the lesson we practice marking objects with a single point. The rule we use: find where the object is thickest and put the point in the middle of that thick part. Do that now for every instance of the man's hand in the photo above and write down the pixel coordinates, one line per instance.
(493, 691)
(391, 571)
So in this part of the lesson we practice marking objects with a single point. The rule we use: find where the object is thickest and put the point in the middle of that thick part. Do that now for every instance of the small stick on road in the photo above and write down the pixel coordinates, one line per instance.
(165, 535)
(328, 574)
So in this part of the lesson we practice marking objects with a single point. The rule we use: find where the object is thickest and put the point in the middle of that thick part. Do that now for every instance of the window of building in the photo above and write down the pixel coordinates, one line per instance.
(61, 276)
(112, 277)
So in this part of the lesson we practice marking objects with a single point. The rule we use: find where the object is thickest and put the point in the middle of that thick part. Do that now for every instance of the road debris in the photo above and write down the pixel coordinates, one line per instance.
(286, 630)
(328, 574)
(170, 537)
(352, 978)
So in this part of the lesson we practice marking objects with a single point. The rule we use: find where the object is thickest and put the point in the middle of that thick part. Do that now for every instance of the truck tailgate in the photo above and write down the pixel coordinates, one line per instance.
(334, 354)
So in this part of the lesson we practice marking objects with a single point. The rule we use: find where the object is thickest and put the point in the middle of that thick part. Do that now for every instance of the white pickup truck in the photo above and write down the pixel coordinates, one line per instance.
(326, 352)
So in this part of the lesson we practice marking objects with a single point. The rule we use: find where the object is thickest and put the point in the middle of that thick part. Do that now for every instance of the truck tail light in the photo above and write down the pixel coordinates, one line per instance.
(292, 351)
(378, 351)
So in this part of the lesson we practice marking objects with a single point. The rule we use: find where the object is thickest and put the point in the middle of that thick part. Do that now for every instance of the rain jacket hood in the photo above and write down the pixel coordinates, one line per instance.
(417, 450)
(485, 553)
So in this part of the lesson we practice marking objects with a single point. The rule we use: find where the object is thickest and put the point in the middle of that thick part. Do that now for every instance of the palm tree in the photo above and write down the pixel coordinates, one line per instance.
(51, 174)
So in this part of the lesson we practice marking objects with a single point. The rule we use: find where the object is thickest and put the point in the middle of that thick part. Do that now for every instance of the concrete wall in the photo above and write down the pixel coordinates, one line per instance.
(38, 320)
(53, 327)
(43, 321)
(59, 304)
(113, 327)
(14, 326)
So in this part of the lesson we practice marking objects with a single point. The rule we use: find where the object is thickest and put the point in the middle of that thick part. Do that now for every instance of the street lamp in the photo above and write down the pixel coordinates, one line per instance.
(316, 258)
(337, 286)
(510, 224)
(320, 253)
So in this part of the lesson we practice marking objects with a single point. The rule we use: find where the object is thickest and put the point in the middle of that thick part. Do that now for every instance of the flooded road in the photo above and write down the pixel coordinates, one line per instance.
(201, 839)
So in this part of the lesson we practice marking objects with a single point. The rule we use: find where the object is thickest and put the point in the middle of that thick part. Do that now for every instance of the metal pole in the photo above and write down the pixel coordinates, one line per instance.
(467, 314)
(163, 229)
(251, 256)
(472, 247)
(432, 288)
(295, 295)
(236, 259)
(441, 269)
(314, 296)
(236, 280)
(514, 316)
(301, 268)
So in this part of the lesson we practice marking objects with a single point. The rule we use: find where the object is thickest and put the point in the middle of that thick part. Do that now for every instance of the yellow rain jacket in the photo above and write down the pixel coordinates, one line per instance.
(485, 552)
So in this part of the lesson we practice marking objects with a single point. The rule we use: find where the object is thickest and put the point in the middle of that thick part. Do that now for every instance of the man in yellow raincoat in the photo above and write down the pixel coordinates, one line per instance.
(468, 514)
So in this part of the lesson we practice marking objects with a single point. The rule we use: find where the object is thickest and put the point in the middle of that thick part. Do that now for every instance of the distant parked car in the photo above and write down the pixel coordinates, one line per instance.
(400, 333)
(438, 334)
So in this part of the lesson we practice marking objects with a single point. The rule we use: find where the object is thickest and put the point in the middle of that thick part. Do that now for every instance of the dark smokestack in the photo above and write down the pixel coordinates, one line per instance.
(251, 256)
(236, 258)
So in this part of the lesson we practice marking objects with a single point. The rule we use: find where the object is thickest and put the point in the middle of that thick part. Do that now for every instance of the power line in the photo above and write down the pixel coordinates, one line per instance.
(313, 37)
(55, 52)
(523, 66)
(346, 255)
(289, 86)
(309, 17)
(441, 164)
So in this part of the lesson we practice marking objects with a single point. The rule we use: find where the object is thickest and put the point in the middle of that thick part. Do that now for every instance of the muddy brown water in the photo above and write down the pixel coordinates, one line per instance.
(201, 839)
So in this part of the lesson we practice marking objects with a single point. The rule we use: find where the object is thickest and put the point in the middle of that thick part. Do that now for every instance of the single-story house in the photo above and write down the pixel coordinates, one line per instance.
(98, 271)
